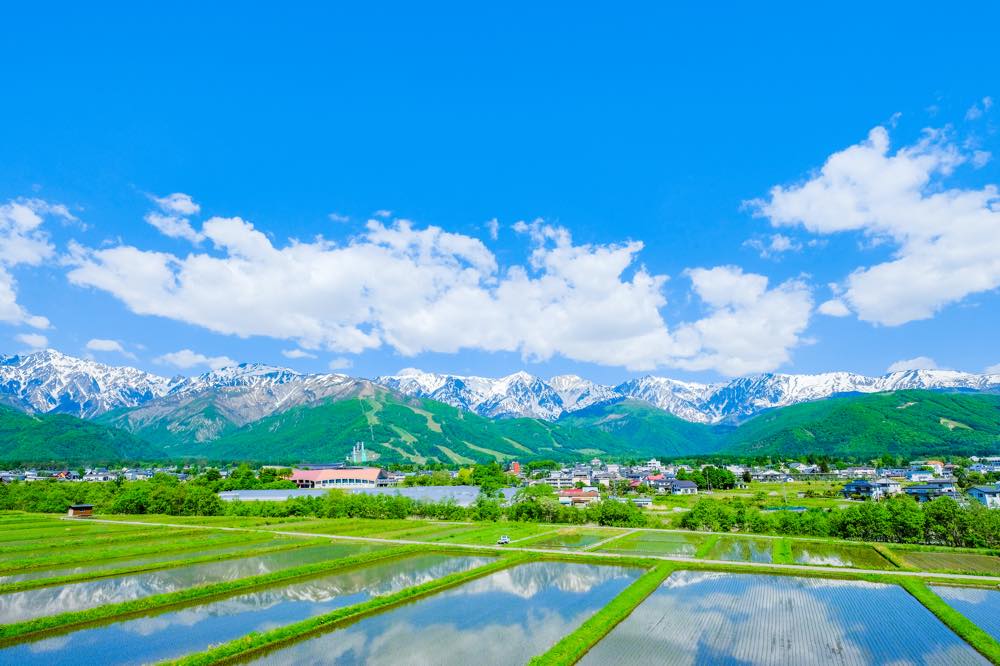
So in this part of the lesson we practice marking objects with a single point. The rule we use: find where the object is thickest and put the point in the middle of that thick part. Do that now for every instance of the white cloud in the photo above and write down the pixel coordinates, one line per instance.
(173, 220)
(493, 226)
(383, 213)
(33, 340)
(23, 242)
(337, 217)
(185, 358)
(296, 353)
(833, 308)
(977, 110)
(981, 158)
(750, 328)
(103, 345)
(947, 241)
(918, 363)
(341, 363)
(993, 370)
(774, 245)
(428, 290)
(178, 203)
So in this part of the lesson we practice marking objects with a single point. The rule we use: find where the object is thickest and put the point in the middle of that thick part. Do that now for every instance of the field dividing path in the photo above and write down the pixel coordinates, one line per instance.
(549, 551)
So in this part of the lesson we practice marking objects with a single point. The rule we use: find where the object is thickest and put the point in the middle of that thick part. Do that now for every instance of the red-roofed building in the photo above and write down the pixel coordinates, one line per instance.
(348, 477)
(578, 496)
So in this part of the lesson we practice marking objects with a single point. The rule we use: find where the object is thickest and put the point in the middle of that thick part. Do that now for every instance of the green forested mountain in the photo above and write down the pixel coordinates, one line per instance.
(400, 429)
(640, 425)
(903, 423)
(397, 429)
(66, 439)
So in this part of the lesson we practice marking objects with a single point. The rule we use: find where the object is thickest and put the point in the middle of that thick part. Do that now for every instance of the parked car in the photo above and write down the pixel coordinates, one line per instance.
(503, 540)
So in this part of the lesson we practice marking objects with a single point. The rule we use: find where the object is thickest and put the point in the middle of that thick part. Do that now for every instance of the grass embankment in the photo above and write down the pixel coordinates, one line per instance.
(961, 625)
(706, 547)
(258, 642)
(16, 632)
(23, 585)
(781, 552)
(573, 646)
(889, 555)
(84, 555)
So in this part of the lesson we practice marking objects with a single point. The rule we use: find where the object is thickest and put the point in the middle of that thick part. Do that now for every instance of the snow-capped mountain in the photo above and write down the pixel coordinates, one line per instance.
(48, 381)
(210, 404)
(579, 393)
(683, 399)
(519, 394)
(524, 395)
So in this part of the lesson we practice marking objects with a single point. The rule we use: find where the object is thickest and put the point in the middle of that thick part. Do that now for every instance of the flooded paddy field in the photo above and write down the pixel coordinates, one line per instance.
(571, 539)
(503, 618)
(29, 604)
(838, 555)
(979, 605)
(672, 544)
(742, 549)
(154, 637)
(707, 618)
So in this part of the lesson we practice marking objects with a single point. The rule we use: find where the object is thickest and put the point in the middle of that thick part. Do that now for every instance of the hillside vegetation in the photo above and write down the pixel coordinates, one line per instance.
(903, 423)
(65, 439)
(395, 428)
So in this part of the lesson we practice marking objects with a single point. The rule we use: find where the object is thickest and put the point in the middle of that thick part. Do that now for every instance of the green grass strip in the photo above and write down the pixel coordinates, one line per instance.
(77, 556)
(22, 585)
(985, 644)
(894, 559)
(572, 647)
(14, 633)
(781, 552)
(706, 547)
(260, 641)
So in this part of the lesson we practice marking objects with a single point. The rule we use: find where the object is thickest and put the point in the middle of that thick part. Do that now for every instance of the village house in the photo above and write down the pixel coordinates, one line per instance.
(874, 490)
(579, 497)
(926, 492)
(988, 496)
(683, 487)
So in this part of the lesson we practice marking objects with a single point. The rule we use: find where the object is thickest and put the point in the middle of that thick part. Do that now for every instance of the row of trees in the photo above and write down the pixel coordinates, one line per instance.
(942, 521)
(164, 494)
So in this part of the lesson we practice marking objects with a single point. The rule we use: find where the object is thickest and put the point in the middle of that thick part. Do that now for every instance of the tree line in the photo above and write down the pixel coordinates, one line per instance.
(942, 521)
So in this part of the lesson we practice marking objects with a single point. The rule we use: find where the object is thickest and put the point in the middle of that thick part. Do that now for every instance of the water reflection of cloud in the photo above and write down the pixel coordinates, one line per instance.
(704, 618)
(503, 618)
(970, 595)
(528, 580)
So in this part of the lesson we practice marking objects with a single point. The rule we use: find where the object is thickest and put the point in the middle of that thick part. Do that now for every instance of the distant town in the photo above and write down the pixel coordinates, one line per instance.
(581, 484)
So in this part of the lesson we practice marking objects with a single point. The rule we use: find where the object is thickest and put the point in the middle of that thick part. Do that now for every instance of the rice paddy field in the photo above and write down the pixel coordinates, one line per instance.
(646, 542)
(981, 606)
(190, 590)
(945, 561)
(703, 618)
(741, 549)
(838, 555)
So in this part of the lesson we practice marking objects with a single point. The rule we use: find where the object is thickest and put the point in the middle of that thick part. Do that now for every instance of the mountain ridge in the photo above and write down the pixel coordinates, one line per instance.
(52, 382)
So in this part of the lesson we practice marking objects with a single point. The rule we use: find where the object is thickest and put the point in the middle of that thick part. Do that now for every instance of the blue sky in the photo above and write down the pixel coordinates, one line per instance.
(598, 130)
